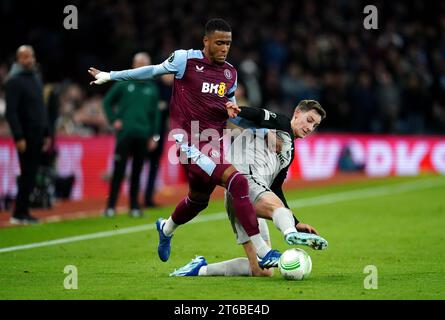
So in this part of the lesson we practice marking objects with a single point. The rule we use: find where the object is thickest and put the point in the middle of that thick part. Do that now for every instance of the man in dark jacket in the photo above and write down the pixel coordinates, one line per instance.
(27, 118)
(132, 108)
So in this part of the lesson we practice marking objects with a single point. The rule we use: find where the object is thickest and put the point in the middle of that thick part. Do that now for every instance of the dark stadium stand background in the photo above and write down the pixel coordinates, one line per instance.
(274, 33)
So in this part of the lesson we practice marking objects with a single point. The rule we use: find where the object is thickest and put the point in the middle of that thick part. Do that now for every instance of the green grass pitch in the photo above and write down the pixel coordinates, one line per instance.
(395, 224)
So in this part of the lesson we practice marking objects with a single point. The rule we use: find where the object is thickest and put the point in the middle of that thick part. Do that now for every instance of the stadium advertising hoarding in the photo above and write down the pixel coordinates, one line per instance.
(380, 155)
(317, 157)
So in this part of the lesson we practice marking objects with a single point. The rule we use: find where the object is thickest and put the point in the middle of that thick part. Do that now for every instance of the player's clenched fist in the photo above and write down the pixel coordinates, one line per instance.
(232, 109)
(101, 77)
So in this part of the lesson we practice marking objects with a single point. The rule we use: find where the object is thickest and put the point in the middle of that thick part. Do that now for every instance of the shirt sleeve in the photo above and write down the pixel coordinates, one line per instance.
(264, 118)
(175, 64)
(248, 117)
(255, 115)
(231, 92)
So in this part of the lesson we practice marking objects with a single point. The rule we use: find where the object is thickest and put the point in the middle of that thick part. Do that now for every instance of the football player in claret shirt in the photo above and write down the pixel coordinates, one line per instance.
(204, 83)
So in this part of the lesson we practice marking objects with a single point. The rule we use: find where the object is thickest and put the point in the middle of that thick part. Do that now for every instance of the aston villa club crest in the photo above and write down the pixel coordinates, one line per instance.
(228, 74)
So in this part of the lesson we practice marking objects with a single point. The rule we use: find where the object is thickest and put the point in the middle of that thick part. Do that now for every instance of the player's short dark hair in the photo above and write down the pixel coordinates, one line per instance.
(217, 24)
(307, 105)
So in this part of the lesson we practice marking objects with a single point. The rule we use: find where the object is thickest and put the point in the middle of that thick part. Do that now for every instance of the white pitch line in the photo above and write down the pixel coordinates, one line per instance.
(313, 201)
(105, 234)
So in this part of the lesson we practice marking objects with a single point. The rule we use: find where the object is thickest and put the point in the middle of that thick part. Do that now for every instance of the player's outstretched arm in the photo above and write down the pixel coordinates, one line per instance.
(142, 73)
(249, 113)
(175, 64)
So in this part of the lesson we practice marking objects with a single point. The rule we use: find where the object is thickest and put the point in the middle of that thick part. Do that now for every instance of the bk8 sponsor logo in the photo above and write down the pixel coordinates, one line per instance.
(218, 89)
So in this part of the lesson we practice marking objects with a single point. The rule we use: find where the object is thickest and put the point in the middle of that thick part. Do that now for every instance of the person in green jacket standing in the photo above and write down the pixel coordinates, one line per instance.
(132, 109)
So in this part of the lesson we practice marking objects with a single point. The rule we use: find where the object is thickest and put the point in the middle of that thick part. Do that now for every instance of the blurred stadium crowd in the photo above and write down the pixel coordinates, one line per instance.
(390, 80)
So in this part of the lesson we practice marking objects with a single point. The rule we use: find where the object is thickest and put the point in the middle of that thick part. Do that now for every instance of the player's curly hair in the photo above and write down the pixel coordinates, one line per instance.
(217, 24)
(307, 105)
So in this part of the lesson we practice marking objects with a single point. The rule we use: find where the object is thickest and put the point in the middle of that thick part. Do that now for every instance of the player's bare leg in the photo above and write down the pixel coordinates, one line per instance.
(237, 267)
(241, 266)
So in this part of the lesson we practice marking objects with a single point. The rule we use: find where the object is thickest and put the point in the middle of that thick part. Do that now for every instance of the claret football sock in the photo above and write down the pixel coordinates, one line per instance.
(238, 188)
(187, 209)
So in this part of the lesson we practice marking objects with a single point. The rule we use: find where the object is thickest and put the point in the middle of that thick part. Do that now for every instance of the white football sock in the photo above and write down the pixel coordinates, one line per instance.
(264, 229)
(169, 227)
(284, 220)
(230, 268)
(260, 245)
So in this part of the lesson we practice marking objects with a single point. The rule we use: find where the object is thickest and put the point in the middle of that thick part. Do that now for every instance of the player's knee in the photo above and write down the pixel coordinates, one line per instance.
(266, 206)
(237, 185)
(270, 206)
(198, 197)
(227, 174)
(197, 204)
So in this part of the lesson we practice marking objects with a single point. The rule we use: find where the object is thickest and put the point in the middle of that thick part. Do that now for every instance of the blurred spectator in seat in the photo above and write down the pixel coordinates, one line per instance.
(363, 104)
(71, 98)
(388, 98)
(414, 111)
(91, 115)
(249, 75)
